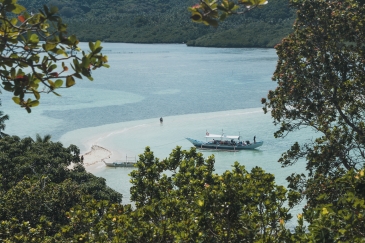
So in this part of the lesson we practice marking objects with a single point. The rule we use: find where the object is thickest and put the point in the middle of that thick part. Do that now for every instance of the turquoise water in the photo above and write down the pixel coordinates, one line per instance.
(194, 89)
(147, 81)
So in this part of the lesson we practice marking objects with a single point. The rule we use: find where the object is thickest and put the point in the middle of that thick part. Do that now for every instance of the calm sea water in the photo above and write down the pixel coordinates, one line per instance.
(194, 89)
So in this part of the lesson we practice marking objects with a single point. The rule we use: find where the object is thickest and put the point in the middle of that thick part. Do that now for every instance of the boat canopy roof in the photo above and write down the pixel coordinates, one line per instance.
(221, 136)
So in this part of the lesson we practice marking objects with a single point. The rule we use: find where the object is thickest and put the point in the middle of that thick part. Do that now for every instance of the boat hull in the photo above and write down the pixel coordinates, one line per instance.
(120, 164)
(217, 146)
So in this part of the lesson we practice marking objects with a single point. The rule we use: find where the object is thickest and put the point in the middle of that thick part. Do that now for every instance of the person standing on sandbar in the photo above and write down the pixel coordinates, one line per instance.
(161, 120)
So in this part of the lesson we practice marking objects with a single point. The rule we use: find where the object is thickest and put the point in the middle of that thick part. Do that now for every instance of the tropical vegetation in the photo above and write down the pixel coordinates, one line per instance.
(321, 85)
(168, 21)
(39, 183)
(45, 139)
(3, 118)
(47, 196)
(33, 53)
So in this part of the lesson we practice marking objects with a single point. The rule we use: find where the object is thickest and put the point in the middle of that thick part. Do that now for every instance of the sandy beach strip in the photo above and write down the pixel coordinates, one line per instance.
(96, 155)
(93, 159)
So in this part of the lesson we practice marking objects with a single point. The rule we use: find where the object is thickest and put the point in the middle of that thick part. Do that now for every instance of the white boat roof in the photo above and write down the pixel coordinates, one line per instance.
(209, 135)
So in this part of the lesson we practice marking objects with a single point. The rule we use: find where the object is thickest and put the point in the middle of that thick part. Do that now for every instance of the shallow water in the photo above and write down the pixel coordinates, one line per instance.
(194, 89)
(147, 81)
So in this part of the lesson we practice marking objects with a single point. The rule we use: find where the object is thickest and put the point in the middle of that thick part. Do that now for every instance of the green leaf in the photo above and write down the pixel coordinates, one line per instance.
(70, 81)
(62, 27)
(54, 9)
(51, 68)
(34, 39)
(212, 22)
(226, 4)
(223, 16)
(61, 52)
(51, 83)
(73, 39)
(77, 75)
(33, 103)
(261, 2)
(235, 8)
(85, 62)
(76, 65)
(36, 94)
(220, 7)
(12, 73)
(16, 100)
(58, 83)
(13, 21)
(49, 46)
(91, 46)
(8, 87)
(97, 50)
(18, 9)
(342, 231)
(97, 44)
(231, 5)
(253, 2)
(34, 58)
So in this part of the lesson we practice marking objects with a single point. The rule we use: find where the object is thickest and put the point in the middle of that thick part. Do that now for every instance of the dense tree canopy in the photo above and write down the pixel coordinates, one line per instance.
(33, 51)
(320, 76)
(167, 21)
(181, 199)
(37, 187)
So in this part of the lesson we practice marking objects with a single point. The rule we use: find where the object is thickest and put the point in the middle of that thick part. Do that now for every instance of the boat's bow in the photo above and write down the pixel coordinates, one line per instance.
(255, 145)
(195, 142)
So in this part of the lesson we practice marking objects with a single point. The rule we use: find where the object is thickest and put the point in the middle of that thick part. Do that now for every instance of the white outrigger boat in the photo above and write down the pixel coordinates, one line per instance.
(224, 142)
(128, 162)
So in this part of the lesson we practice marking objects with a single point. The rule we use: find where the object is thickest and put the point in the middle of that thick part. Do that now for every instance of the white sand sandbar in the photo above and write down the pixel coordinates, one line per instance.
(96, 155)
(94, 158)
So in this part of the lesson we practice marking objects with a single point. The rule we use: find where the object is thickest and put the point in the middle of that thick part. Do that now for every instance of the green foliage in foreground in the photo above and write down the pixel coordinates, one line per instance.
(177, 199)
(37, 188)
(195, 204)
(33, 52)
(320, 84)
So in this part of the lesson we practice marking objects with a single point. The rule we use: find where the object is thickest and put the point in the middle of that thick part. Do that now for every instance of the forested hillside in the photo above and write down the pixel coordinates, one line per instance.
(168, 21)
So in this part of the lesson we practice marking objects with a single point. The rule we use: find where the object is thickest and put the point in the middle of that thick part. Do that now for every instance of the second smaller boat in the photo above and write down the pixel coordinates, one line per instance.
(128, 162)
